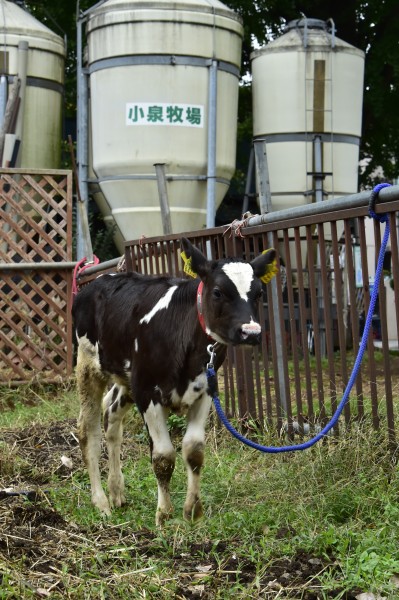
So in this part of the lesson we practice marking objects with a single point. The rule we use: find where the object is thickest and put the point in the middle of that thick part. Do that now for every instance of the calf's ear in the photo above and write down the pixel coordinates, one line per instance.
(195, 262)
(265, 265)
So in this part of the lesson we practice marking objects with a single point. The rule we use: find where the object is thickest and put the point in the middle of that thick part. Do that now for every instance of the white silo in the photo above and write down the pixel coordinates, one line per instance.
(307, 110)
(31, 52)
(161, 75)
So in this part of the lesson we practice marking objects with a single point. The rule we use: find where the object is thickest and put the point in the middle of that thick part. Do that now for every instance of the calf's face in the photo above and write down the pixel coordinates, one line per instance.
(230, 294)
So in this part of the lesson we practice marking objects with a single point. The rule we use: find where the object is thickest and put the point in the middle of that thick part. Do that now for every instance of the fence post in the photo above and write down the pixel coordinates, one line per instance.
(163, 198)
(263, 185)
(211, 150)
(262, 177)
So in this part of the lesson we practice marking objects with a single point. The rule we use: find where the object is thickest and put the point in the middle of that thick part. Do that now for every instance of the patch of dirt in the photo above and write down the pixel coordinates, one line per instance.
(45, 551)
(43, 545)
(41, 448)
(282, 578)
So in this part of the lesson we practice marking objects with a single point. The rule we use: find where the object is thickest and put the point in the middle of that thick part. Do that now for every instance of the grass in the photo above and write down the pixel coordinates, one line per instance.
(309, 525)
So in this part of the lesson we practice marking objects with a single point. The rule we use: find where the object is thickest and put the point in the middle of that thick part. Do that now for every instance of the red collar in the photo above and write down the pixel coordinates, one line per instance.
(199, 307)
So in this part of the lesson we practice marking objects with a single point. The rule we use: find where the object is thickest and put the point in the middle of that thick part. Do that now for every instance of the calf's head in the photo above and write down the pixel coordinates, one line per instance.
(229, 294)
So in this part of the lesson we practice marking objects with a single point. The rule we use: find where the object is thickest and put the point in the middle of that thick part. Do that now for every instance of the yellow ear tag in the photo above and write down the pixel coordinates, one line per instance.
(187, 266)
(270, 271)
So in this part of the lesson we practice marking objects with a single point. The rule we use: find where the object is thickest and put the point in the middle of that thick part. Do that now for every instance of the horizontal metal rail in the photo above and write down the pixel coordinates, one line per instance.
(37, 266)
(54, 266)
(103, 266)
(361, 199)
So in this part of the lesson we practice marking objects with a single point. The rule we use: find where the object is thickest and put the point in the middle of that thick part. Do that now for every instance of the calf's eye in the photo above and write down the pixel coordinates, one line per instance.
(216, 293)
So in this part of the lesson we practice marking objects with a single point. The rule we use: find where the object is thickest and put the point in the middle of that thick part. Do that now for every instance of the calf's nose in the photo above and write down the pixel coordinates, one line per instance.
(250, 333)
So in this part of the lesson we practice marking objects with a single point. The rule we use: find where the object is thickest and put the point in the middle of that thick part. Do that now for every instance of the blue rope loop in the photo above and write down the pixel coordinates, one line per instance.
(363, 344)
(373, 199)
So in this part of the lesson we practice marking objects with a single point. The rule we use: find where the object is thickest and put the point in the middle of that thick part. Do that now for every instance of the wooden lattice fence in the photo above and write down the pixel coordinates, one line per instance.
(35, 275)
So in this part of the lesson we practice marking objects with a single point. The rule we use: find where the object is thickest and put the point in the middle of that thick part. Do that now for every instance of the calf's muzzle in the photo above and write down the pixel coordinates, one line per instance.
(249, 334)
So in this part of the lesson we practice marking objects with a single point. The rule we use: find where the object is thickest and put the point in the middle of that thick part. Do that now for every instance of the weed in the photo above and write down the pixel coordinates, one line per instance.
(322, 523)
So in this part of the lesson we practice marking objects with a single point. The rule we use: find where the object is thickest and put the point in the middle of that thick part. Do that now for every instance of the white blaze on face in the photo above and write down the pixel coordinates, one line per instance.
(242, 275)
(160, 305)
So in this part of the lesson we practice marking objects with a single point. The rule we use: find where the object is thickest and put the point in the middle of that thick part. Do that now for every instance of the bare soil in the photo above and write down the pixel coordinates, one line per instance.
(41, 544)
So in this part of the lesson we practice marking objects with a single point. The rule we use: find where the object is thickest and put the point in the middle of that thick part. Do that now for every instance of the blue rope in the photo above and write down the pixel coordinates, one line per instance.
(276, 449)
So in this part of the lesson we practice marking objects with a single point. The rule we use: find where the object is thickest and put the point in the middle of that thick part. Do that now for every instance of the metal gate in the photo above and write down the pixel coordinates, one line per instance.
(35, 275)
(313, 316)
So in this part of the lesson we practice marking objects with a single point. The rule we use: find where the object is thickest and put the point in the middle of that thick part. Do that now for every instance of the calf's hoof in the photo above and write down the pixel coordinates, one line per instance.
(101, 502)
(193, 510)
(162, 516)
(117, 500)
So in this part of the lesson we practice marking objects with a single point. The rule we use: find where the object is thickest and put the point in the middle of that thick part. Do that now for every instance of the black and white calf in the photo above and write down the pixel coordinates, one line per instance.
(149, 336)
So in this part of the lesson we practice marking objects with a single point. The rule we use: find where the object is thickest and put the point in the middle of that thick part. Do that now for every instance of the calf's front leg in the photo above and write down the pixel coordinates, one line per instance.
(193, 455)
(163, 457)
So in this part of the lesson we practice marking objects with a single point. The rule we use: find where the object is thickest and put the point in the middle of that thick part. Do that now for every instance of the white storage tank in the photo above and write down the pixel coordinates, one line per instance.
(149, 70)
(307, 109)
(32, 52)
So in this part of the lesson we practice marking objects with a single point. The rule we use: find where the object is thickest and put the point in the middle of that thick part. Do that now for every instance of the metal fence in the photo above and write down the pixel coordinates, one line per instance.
(313, 314)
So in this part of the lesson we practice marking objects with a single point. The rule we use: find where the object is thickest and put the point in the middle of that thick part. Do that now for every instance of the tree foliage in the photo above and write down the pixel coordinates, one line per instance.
(371, 25)
(60, 16)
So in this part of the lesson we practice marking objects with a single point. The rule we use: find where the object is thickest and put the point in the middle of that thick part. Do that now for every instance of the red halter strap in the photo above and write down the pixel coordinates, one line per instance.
(199, 306)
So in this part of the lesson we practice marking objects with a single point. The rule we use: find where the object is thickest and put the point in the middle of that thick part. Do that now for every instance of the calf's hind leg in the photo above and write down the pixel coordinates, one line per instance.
(91, 385)
(115, 405)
